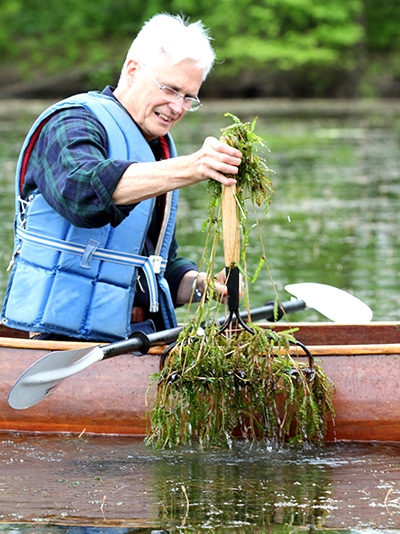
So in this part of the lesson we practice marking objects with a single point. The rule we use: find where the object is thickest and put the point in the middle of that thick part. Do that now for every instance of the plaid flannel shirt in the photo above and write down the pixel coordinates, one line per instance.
(69, 166)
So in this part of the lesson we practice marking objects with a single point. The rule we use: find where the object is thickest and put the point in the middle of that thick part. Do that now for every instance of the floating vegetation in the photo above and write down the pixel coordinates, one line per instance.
(216, 384)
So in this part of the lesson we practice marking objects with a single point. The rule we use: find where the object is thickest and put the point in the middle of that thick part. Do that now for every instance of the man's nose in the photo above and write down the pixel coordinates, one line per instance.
(177, 105)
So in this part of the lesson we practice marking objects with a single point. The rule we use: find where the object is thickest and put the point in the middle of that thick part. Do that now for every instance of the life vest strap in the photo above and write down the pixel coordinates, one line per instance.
(151, 266)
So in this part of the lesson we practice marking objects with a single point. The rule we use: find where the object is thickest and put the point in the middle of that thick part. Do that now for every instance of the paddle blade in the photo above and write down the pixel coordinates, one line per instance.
(336, 304)
(45, 375)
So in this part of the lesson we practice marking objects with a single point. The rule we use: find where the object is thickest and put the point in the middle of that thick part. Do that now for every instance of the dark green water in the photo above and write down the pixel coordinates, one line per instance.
(334, 216)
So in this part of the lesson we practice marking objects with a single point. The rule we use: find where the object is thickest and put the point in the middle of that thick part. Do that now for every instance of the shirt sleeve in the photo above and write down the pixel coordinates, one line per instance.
(176, 269)
(69, 166)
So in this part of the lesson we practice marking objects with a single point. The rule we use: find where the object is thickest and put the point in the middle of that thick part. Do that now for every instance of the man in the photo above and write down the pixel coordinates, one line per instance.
(98, 178)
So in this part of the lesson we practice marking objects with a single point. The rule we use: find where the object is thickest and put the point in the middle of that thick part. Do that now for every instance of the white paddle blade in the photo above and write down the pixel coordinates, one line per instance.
(45, 375)
(336, 304)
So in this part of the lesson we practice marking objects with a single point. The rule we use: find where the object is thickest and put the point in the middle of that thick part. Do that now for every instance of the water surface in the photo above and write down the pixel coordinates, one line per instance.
(249, 488)
(334, 216)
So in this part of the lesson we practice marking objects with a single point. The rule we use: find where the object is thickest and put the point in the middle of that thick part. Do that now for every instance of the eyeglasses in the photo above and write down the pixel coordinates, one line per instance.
(190, 103)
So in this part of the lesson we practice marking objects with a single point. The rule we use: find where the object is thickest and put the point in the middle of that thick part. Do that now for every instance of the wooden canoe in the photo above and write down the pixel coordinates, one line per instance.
(110, 396)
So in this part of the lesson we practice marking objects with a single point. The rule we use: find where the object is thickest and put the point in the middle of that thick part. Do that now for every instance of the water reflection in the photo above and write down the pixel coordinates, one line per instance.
(118, 482)
(246, 486)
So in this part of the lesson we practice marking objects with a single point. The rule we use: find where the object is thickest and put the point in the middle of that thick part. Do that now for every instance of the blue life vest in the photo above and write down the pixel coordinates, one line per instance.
(81, 282)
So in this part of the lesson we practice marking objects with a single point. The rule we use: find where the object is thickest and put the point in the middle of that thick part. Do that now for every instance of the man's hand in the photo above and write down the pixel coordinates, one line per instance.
(215, 160)
(194, 280)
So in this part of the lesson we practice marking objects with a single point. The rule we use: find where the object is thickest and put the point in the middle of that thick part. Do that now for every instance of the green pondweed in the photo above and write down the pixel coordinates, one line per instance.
(253, 176)
(215, 386)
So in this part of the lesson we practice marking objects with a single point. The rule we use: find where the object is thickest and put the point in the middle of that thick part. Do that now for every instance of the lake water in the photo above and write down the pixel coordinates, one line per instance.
(118, 482)
(334, 219)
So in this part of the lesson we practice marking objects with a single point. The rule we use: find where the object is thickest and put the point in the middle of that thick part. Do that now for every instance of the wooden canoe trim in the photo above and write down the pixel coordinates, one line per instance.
(331, 350)
(34, 344)
(348, 350)
(110, 396)
(49, 345)
(316, 350)
(354, 340)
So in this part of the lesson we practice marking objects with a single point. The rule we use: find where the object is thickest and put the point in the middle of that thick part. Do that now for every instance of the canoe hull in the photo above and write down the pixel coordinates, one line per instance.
(109, 397)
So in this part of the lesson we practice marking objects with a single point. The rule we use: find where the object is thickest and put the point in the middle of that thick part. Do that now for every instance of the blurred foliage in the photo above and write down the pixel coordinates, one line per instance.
(309, 39)
(382, 19)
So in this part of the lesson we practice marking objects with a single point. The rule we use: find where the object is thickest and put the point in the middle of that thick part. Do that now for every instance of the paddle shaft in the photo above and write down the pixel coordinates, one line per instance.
(140, 342)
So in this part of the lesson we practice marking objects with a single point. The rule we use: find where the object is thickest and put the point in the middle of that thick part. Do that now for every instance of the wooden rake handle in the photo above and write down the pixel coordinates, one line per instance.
(231, 239)
(230, 226)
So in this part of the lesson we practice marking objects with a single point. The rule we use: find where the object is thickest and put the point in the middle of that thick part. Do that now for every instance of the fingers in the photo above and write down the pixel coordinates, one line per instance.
(233, 154)
(220, 292)
(215, 160)
(228, 158)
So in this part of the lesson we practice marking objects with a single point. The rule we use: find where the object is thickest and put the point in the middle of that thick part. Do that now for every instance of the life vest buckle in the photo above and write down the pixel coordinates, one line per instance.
(156, 263)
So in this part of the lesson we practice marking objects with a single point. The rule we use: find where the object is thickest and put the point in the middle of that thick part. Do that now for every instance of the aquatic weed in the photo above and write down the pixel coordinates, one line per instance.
(213, 387)
(217, 387)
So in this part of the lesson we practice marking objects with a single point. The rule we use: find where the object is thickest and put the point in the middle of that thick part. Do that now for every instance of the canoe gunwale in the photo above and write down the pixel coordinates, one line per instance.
(109, 398)
(310, 334)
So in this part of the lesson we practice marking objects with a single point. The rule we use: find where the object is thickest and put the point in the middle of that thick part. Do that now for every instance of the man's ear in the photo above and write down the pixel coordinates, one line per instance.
(132, 67)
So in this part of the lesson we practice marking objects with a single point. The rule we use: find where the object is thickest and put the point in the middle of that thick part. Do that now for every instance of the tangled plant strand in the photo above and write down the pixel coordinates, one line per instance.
(214, 387)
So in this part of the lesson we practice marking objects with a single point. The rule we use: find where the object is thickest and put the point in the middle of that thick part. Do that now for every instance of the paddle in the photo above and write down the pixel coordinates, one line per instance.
(45, 375)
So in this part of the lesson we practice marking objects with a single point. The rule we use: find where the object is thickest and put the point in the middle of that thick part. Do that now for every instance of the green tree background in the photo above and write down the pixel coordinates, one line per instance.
(269, 48)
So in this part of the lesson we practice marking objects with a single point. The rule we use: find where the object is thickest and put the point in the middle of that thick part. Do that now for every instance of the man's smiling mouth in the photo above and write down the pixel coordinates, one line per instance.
(163, 117)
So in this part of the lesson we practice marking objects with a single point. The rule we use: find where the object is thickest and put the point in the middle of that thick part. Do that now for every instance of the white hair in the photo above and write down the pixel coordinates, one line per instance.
(174, 36)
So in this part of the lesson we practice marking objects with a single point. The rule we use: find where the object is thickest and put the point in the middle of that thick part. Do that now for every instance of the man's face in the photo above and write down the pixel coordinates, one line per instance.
(145, 101)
